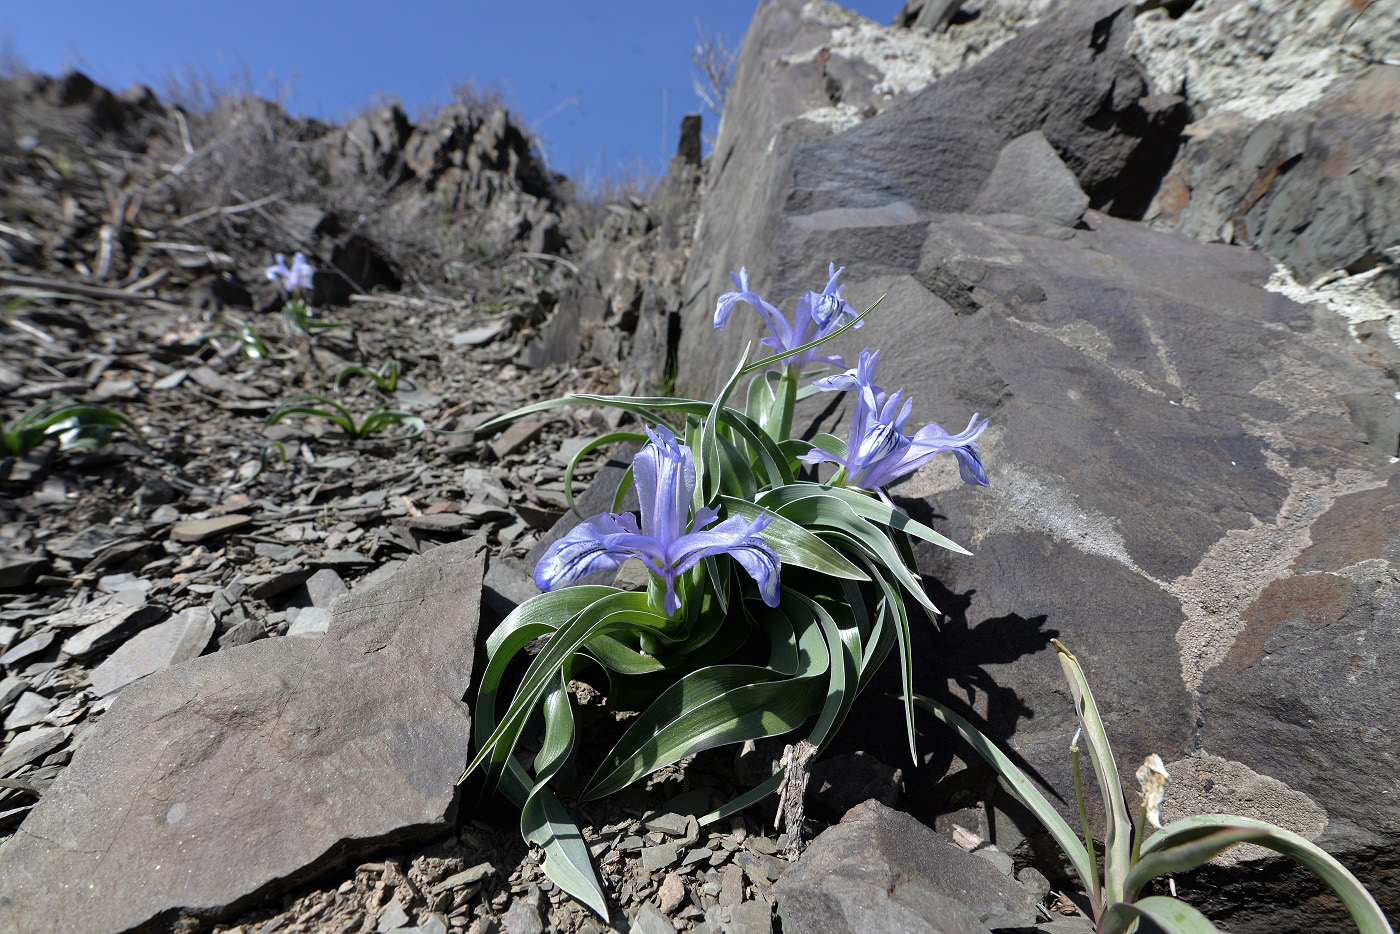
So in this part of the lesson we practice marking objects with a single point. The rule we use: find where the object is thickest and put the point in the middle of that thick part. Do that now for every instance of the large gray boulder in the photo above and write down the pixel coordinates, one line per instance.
(882, 870)
(1174, 451)
(223, 780)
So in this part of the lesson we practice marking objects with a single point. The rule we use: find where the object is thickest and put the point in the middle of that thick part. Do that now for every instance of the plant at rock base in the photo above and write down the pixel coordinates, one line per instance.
(76, 425)
(295, 280)
(385, 379)
(375, 421)
(1129, 861)
(771, 601)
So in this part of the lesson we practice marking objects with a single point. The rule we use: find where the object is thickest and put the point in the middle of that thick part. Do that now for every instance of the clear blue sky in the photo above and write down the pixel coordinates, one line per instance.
(603, 83)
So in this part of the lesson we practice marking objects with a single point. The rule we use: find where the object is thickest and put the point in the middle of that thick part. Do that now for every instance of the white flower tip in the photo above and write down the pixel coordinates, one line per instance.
(1152, 775)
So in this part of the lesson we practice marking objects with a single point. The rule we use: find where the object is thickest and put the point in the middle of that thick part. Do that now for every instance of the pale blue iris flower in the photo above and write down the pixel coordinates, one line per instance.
(817, 315)
(877, 449)
(664, 473)
(294, 277)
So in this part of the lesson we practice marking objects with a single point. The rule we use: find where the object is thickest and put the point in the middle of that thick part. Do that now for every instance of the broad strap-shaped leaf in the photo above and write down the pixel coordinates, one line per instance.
(821, 510)
(712, 707)
(614, 437)
(794, 544)
(1118, 832)
(546, 823)
(867, 507)
(1170, 914)
(1022, 787)
(1190, 837)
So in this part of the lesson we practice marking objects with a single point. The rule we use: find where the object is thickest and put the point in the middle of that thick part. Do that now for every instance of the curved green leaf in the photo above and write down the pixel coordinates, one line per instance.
(610, 438)
(1171, 915)
(1206, 827)
(1118, 832)
(868, 507)
(1022, 787)
(794, 544)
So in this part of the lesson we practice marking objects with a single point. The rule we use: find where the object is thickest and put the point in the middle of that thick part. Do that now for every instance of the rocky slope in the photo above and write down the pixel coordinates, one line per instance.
(1123, 234)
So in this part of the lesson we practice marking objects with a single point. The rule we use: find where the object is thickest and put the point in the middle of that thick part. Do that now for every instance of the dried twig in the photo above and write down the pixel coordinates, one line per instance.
(791, 794)
(87, 291)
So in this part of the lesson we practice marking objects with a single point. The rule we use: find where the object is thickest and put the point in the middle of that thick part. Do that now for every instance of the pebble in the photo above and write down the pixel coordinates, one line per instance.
(194, 531)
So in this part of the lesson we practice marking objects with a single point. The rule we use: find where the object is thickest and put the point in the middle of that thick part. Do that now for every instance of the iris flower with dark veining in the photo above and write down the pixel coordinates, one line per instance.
(877, 449)
(664, 473)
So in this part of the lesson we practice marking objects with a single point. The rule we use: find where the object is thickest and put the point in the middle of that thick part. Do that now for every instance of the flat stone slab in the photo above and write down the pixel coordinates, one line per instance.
(178, 639)
(220, 781)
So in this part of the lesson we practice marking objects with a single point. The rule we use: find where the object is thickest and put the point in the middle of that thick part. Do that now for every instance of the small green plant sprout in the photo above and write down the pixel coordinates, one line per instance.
(75, 425)
(1131, 862)
(770, 603)
(385, 379)
(296, 280)
(248, 341)
(314, 405)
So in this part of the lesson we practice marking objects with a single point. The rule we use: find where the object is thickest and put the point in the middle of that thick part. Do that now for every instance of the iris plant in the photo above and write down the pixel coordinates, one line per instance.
(664, 473)
(707, 658)
(818, 315)
(294, 277)
(878, 452)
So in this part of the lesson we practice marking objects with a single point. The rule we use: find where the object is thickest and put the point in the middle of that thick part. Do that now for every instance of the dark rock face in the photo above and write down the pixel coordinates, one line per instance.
(623, 303)
(1316, 188)
(230, 777)
(881, 870)
(1173, 449)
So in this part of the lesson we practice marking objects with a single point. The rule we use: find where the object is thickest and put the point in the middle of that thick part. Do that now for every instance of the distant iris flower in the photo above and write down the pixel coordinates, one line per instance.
(817, 315)
(664, 473)
(878, 451)
(297, 276)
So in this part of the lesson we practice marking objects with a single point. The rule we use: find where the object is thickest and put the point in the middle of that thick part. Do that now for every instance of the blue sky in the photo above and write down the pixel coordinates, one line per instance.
(604, 83)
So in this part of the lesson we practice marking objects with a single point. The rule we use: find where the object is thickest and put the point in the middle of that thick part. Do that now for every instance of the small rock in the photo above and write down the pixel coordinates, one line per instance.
(432, 924)
(267, 586)
(437, 522)
(671, 893)
(673, 825)
(751, 917)
(10, 688)
(1035, 880)
(111, 624)
(477, 482)
(241, 633)
(28, 710)
(523, 916)
(393, 918)
(324, 586)
(311, 622)
(194, 531)
(1002, 861)
(164, 515)
(649, 919)
(29, 647)
(659, 856)
(18, 571)
(30, 745)
(465, 877)
(516, 436)
(479, 336)
(182, 637)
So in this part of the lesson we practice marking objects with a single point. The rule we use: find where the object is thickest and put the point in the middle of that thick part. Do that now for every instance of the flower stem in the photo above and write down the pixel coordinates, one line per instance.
(787, 401)
(1094, 894)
